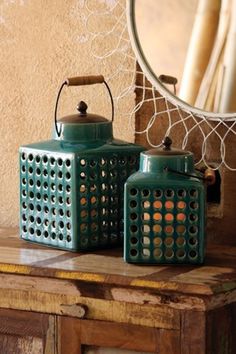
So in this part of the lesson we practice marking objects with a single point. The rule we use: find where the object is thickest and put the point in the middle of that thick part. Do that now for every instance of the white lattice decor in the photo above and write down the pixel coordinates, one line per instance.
(115, 47)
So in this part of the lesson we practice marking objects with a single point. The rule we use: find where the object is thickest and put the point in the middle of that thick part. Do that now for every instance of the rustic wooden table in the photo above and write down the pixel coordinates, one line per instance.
(54, 302)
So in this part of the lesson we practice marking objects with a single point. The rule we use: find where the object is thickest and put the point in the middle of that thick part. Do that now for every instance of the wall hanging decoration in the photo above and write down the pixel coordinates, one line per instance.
(165, 209)
(168, 111)
(71, 187)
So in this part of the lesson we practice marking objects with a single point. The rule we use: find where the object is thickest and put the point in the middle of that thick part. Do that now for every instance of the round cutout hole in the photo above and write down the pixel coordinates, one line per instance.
(146, 216)
(180, 217)
(193, 241)
(145, 193)
(133, 240)
(45, 159)
(193, 230)
(52, 161)
(158, 193)
(157, 204)
(133, 228)
(60, 162)
(146, 252)
(169, 217)
(169, 205)
(82, 162)
(146, 204)
(169, 193)
(133, 191)
(83, 227)
(181, 193)
(93, 200)
(157, 253)
(169, 230)
(157, 228)
(193, 193)
(83, 214)
(157, 241)
(193, 205)
(193, 254)
(169, 253)
(133, 216)
(133, 204)
(169, 241)
(180, 241)
(181, 205)
(94, 213)
(83, 201)
(82, 188)
(133, 252)
(146, 240)
(193, 217)
(180, 229)
(146, 228)
(157, 216)
(180, 253)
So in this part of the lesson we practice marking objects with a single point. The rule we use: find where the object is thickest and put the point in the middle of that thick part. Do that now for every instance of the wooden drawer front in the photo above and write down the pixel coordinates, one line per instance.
(26, 332)
(78, 335)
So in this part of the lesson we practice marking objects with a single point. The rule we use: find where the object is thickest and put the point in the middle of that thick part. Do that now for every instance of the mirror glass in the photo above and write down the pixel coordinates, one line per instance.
(190, 46)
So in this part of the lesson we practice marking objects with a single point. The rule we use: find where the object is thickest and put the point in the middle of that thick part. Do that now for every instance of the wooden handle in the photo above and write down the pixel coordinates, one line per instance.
(167, 79)
(210, 176)
(85, 80)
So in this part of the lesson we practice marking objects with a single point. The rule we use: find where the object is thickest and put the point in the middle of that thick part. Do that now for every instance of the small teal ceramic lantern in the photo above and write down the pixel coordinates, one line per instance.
(71, 187)
(165, 209)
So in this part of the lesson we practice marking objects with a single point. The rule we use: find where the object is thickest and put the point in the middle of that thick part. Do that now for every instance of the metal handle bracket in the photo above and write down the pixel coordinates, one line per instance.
(82, 81)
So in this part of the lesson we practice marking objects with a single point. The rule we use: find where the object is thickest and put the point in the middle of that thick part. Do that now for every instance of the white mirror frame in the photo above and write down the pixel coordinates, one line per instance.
(152, 77)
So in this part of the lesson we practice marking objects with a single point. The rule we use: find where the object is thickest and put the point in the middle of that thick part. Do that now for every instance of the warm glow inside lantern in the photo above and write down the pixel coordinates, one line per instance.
(165, 209)
(71, 187)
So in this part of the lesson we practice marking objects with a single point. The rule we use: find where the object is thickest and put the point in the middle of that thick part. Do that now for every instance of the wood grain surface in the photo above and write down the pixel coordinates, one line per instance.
(218, 275)
(24, 332)
(57, 302)
(114, 335)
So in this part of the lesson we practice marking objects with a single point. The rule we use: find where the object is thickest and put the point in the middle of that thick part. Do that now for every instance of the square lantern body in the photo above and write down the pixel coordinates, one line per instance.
(72, 187)
(164, 212)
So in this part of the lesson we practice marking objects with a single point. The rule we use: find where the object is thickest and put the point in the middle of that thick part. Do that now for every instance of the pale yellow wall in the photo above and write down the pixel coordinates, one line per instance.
(41, 43)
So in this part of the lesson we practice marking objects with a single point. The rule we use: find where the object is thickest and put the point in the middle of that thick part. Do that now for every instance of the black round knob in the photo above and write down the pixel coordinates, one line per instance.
(166, 142)
(82, 107)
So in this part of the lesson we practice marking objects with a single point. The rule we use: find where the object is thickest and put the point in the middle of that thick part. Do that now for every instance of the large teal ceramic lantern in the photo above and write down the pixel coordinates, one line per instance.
(71, 187)
(165, 209)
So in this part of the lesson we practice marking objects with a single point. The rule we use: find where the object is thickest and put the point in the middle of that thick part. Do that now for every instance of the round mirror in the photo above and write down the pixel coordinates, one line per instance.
(187, 50)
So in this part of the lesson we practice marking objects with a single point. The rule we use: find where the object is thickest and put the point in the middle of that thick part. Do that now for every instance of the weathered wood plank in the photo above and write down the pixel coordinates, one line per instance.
(70, 336)
(26, 332)
(193, 332)
(170, 342)
(125, 337)
(131, 337)
(152, 316)
(108, 292)
(221, 330)
(22, 323)
(17, 256)
(20, 345)
(75, 292)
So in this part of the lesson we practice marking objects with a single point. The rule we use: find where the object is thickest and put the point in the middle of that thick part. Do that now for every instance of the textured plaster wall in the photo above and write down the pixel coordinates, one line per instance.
(41, 43)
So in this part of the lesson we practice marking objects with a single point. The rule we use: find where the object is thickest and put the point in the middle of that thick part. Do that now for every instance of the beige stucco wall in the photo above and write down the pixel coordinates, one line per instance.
(41, 43)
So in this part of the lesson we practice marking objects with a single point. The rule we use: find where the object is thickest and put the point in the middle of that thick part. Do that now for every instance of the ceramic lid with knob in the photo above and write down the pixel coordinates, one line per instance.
(83, 126)
(167, 158)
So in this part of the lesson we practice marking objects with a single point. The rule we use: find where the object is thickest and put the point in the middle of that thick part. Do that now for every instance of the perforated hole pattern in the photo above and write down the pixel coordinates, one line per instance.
(101, 198)
(46, 198)
(163, 225)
